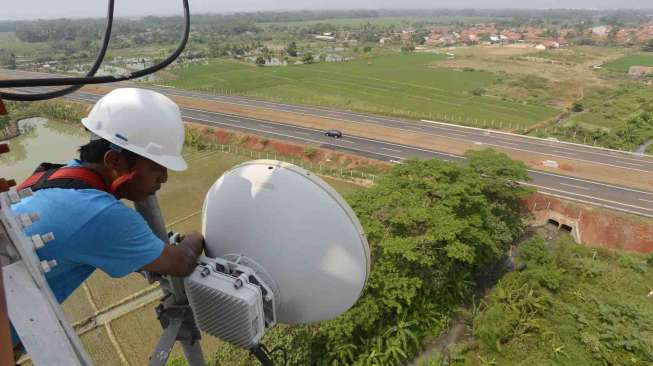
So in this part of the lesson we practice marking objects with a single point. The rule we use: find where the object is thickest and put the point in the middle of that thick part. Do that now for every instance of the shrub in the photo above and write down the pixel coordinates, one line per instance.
(578, 107)
(310, 152)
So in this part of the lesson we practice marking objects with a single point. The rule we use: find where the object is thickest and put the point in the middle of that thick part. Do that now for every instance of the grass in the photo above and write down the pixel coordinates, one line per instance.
(99, 347)
(567, 72)
(625, 63)
(22, 50)
(107, 291)
(137, 333)
(384, 21)
(571, 305)
(77, 307)
(407, 85)
(610, 108)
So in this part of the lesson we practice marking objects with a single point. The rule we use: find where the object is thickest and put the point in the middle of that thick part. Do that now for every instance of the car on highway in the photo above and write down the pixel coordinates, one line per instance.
(334, 133)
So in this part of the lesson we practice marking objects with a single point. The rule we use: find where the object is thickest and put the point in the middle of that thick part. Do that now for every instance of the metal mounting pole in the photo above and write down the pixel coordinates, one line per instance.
(174, 313)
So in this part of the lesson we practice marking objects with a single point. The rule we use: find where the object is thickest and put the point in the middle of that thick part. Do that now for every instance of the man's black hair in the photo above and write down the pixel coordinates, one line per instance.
(94, 151)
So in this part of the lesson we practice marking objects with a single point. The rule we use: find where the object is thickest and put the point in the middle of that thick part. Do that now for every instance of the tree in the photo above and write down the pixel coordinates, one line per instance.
(308, 58)
(260, 61)
(7, 59)
(292, 49)
(648, 47)
(408, 48)
(4, 122)
(431, 225)
(367, 49)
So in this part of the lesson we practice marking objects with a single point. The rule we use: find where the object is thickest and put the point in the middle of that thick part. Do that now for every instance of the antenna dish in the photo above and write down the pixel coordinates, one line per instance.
(298, 229)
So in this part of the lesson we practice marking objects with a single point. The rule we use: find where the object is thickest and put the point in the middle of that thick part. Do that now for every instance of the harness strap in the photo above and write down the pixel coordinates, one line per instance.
(59, 176)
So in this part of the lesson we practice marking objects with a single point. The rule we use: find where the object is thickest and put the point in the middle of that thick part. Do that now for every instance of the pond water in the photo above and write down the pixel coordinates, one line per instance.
(41, 141)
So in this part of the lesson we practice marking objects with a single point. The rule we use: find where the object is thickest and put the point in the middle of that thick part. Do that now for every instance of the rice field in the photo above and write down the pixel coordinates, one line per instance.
(625, 63)
(405, 85)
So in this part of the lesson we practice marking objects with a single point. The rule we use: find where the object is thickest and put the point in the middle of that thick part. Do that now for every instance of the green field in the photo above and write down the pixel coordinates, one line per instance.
(385, 21)
(406, 85)
(623, 64)
(9, 41)
(611, 108)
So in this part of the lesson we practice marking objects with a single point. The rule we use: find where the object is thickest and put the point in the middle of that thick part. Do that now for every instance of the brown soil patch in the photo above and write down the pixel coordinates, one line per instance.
(222, 136)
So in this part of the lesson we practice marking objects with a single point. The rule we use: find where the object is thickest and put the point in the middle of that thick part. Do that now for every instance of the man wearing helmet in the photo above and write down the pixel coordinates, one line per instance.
(137, 135)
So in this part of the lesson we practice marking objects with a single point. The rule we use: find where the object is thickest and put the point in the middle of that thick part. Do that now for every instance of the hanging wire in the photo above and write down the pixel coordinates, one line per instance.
(77, 82)
(96, 65)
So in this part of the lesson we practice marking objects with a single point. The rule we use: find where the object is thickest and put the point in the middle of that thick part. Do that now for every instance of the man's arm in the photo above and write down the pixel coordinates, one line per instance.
(178, 260)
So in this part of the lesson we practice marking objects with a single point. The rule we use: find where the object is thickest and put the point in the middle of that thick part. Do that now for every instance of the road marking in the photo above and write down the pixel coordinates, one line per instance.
(393, 150)
(416, 149)
(643, 200)
(425, 150)
(596, 204)
(589, 147)
(589, 181)
(311, 112)
(633, 164)
(585, 196)
(573, 186)
(457, 135)
(505, 143)
(294, 137)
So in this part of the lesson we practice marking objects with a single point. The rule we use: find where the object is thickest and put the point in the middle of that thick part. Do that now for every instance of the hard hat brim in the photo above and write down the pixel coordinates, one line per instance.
(174, 163)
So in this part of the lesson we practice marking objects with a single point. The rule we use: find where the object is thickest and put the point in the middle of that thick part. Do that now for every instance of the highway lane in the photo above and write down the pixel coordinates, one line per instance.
(553, 150)
(580, 190)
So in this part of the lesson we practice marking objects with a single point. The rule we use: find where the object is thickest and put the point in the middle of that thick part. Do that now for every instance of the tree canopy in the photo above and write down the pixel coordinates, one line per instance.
(431, 225)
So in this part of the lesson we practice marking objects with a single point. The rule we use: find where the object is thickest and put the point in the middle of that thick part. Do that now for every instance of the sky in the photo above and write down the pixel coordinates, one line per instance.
(36, 9)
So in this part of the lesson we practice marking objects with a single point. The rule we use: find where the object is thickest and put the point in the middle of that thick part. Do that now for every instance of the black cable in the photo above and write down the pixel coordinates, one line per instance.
(260, 354)
(80, 81)
(96, 65)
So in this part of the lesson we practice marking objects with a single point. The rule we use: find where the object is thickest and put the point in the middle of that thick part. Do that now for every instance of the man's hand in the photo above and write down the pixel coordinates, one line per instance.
(179, 260)
(195, 241)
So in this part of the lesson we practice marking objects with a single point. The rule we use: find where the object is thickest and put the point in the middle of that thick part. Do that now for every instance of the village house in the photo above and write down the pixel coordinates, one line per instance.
(511, 36)
(601, 31)
(645, 33)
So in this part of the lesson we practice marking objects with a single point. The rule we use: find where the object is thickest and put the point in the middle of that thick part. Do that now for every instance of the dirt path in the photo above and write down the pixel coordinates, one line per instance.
(115, 311)
(439, 346)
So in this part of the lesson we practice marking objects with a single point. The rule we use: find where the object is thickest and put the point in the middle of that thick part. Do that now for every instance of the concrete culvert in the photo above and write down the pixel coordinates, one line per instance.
(566, 228)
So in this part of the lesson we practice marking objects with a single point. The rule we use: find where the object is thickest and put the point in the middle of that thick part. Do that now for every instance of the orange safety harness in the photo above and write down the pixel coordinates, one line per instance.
(60, 176)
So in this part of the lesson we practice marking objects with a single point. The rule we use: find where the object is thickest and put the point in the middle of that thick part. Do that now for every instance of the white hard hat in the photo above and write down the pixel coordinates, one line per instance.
(142, 121)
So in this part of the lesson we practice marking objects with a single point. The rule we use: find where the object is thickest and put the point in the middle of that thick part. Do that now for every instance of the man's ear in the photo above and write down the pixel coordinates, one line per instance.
(114, 160)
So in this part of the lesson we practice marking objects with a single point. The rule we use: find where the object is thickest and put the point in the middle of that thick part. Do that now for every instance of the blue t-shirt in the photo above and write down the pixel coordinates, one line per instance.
(92, 229)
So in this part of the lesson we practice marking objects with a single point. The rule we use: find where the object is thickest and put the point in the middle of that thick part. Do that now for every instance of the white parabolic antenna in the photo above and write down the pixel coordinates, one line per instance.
(295, 226)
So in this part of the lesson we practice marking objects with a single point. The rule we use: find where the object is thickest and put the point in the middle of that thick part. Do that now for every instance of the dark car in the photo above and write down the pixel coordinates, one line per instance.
(334, 133)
